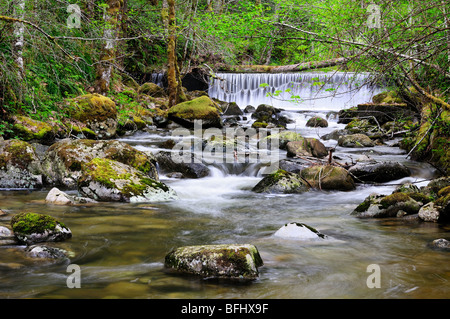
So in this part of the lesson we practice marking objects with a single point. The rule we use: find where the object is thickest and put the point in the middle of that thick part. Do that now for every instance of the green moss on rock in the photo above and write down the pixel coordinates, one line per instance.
(29, 129)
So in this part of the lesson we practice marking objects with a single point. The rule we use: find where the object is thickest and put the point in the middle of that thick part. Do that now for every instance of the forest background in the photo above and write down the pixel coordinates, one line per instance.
(55, 50)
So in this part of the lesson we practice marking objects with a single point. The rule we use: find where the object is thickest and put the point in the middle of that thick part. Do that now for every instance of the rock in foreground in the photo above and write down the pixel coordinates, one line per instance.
(109, 180)
(216, 261)
(298, 231)
(31, 228)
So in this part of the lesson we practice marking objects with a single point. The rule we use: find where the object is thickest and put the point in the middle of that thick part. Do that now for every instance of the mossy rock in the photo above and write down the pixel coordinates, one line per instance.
(32, 228)
(355, 141)
(227, 261)
(382, 206)
(259, 124)
(63, 160)
(104, 179)
(328, 177)
(201, 109)
(152, 89)
(33, 130)
(98, 112)
(283, 138)
(387, 97)
(20, 165)
(307, 147)
(281, 182)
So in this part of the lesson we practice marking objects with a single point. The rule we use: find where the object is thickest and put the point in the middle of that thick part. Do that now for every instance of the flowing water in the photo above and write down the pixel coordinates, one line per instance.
(120, 247)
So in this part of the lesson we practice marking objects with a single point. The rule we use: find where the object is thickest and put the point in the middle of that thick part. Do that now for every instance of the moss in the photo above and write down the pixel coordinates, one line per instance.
(29, 129)
(101, 170)
(444, 191)
(200, 108)
(364, 206)
(392, 199)
(17, 153)
(91, 107)
(259, 124)
(419, 197)
(29, 223)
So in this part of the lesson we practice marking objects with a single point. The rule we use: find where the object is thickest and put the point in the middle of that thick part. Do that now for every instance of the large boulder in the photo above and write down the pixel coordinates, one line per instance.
(227, 261)
(281, 182)
(202, 109)
(328, 177)
(63, 160)
(110, 180)
(307, 147)
(19, 165)
(152, 89)
(379, 172)
(98, 112)
(265, 113)
(31, 228)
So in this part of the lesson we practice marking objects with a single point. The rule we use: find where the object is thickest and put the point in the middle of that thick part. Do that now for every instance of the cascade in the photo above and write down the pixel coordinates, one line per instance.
(331, 91)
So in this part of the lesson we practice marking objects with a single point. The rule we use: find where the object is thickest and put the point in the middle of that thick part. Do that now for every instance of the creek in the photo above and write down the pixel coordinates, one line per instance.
(120, 247)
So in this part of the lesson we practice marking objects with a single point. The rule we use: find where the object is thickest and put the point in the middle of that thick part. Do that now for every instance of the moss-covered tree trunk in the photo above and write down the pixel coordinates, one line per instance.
(175, 90)
(105, 67)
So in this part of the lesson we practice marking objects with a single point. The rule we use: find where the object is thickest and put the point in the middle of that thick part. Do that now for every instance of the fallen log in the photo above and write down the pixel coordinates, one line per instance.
(282, 68)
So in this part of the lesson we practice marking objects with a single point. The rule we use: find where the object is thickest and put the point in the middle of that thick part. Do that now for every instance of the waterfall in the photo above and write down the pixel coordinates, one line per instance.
(294, 91)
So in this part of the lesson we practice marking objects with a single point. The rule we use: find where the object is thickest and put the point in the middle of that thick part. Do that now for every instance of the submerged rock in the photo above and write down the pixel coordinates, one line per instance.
(46, 252)
(216, 261)
(441, 243)
(109, 180)
(298, 231)
(281, 182)
(7, 236)
(31, 228)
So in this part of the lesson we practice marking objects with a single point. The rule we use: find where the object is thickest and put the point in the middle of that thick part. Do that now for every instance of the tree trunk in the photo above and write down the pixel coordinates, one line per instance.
(283, 68)
(19, 29)
(176, 93)
(104, 69)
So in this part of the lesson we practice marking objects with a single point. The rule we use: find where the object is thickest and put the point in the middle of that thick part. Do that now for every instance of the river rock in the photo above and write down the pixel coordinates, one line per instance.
(379, 112)
(166, 164)
(31, 228)
(328, 177)
(381, 206)
(283, 138)
(19, 165)
(200, 109)
(441, 243)
(281, 182)
(307, 147)
(98, 112)
(249, 109)
(317, 121)
(63, 160)
(265, 113)
(298, 231)
(334, 135)
(355, 140)
(294, 165)
(109, 180)
(45, 252)
(231, 108)
(6, 236)
(379, 172)
(57, 197)
(226, 261)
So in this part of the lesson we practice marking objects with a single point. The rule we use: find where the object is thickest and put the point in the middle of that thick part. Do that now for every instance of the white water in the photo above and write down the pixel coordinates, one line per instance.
(316, 90)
